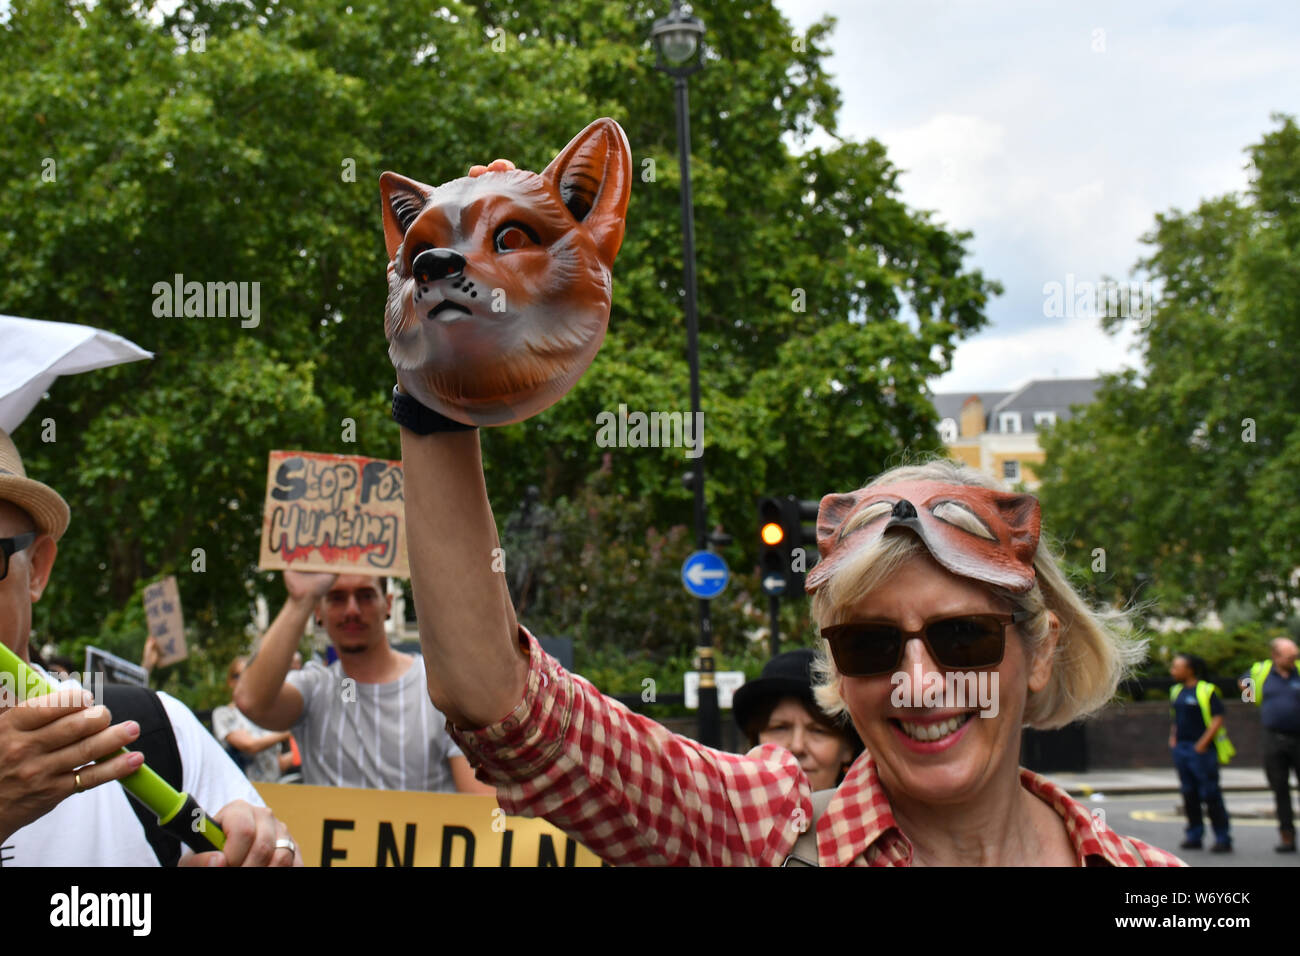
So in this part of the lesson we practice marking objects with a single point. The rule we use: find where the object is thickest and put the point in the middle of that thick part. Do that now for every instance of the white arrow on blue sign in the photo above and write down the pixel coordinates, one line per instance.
(705, 575)
(774, 584)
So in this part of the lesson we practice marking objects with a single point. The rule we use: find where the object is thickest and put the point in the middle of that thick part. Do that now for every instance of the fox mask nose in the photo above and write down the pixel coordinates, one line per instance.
(904, 509)
(433, 264)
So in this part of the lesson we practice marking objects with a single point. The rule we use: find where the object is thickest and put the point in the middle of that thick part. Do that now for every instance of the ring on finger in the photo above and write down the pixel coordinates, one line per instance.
(284, 843)
(80, 787)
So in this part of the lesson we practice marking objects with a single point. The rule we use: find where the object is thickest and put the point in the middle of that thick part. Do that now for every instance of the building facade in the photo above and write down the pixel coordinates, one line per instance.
(997, 432)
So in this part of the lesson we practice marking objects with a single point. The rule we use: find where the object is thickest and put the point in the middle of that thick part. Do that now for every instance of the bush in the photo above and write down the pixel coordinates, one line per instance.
(1228, 653)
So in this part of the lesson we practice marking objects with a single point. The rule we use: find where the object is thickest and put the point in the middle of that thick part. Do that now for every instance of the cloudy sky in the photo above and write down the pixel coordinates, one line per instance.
(1055, 132)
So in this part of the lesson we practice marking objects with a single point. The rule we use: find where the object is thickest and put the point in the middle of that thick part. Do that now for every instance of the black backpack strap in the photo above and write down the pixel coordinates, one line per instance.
(157, 741)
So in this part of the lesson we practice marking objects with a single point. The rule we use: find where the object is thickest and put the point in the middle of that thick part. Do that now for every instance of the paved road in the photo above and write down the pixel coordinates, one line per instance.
(1157, 819)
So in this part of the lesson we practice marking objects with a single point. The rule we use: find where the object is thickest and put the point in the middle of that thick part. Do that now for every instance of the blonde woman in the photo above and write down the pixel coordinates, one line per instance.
(948, 628)
(928, 572)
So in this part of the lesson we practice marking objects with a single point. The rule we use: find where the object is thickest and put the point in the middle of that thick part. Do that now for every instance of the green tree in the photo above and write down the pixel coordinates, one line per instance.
(1186, 475)
(230, 141)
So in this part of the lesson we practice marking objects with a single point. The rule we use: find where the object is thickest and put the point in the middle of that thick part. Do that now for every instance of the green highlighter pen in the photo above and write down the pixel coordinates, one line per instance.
(178, 813)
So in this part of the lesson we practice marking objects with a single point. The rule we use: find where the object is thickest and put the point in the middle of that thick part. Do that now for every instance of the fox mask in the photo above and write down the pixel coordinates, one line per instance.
(499, 284)
(1002, 554)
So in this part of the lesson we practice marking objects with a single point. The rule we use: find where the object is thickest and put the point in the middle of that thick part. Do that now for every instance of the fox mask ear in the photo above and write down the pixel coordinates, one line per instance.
(402, 201)
(831, 514)
(1023, 516)
(593, 176)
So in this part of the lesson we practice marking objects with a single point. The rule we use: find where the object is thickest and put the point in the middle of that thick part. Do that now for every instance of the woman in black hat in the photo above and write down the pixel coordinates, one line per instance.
(778, 708)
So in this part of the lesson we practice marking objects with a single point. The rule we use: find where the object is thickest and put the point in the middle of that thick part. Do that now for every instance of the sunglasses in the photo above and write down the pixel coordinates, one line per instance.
(10, 547)
(965, 642)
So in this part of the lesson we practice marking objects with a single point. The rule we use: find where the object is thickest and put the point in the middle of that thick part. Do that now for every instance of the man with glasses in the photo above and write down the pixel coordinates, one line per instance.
(54, 809)
(366, 720)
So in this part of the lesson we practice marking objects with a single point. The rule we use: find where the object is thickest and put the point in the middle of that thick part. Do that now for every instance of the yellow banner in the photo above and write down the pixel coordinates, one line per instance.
(340, 826)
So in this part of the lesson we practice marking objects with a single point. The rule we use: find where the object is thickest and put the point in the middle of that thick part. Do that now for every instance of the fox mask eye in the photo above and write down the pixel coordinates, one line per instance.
(512, 236)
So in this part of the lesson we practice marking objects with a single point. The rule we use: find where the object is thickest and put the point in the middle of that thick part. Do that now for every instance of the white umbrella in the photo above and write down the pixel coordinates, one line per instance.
(33, 353)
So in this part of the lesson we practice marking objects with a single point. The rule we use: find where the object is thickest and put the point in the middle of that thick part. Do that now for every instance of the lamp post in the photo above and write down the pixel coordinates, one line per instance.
(679, 53)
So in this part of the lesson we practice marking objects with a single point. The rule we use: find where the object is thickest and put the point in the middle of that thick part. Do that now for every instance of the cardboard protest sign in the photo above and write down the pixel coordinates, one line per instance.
(335, 513)
(112, 669)
(162, 609)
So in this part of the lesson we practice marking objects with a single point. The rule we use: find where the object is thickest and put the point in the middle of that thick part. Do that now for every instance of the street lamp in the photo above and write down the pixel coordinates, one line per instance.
(679, 53)
(676, 39)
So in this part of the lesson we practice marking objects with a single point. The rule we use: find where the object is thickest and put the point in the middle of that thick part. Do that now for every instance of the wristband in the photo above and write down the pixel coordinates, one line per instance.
(411, 414)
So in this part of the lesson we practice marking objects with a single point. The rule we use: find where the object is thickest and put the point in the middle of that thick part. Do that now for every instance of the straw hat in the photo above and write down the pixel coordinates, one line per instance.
(43, 503)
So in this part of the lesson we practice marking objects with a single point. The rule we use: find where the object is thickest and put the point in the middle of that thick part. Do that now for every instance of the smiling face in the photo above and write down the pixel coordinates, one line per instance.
(959, 753)
(821, 751)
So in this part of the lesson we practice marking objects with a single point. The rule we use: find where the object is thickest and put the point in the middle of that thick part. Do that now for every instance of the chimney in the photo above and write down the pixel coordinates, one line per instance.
(972, 417)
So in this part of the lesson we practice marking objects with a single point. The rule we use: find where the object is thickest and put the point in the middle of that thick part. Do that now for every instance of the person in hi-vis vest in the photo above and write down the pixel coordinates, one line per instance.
(1274, 686)
(1199, 744)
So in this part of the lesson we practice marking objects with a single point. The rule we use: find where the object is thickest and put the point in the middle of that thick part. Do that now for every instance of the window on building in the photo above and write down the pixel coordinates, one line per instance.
(1011, 470)
(1044, 418)
(948, 431)
(1009, 423)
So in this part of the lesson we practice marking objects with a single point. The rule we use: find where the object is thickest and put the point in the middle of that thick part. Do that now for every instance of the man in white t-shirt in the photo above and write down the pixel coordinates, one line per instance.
(366, 720)
(55, 809)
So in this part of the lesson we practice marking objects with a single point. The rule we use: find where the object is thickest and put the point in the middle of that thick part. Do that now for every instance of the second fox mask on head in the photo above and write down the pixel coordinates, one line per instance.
(499, 284)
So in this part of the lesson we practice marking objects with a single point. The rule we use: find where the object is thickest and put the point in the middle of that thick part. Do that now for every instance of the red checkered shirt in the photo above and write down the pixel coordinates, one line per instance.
(635, 793)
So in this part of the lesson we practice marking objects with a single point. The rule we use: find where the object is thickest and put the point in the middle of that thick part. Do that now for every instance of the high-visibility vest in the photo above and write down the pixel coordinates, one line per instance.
(1204, 691)
(1258, 674)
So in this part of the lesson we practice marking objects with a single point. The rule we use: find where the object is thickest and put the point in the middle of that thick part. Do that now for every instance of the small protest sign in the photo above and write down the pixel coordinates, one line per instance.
(114, 670)
(336, 513)
(162, 610)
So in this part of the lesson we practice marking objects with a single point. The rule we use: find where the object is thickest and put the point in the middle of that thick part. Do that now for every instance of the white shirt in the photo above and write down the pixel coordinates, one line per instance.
(379, 736)
(99, 827)
(261, 767)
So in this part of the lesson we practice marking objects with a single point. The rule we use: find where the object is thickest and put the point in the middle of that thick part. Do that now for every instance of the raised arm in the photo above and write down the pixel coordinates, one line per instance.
(549, 742)
(468, 630)
(262, 693)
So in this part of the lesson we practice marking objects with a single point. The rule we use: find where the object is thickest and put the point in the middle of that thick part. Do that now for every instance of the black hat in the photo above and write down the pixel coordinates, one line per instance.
(786, 675)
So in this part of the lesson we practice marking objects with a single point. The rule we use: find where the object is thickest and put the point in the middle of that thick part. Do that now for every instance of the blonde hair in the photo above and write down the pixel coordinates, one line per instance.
(1096, 647)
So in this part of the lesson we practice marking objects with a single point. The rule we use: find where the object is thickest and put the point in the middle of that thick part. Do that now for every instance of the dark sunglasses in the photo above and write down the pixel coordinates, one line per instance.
(964, 642)
(11, 546)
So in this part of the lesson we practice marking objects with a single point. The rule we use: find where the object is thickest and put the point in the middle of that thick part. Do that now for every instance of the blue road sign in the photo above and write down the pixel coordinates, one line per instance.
(705, 575)
(773, 584)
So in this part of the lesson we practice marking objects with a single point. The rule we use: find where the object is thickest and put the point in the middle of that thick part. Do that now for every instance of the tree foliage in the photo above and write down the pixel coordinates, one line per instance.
(233, 141)
(1186, 476)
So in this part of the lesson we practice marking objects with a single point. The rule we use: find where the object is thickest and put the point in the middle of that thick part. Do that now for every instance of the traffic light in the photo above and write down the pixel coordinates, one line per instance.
(784, 545)
(773, 554)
